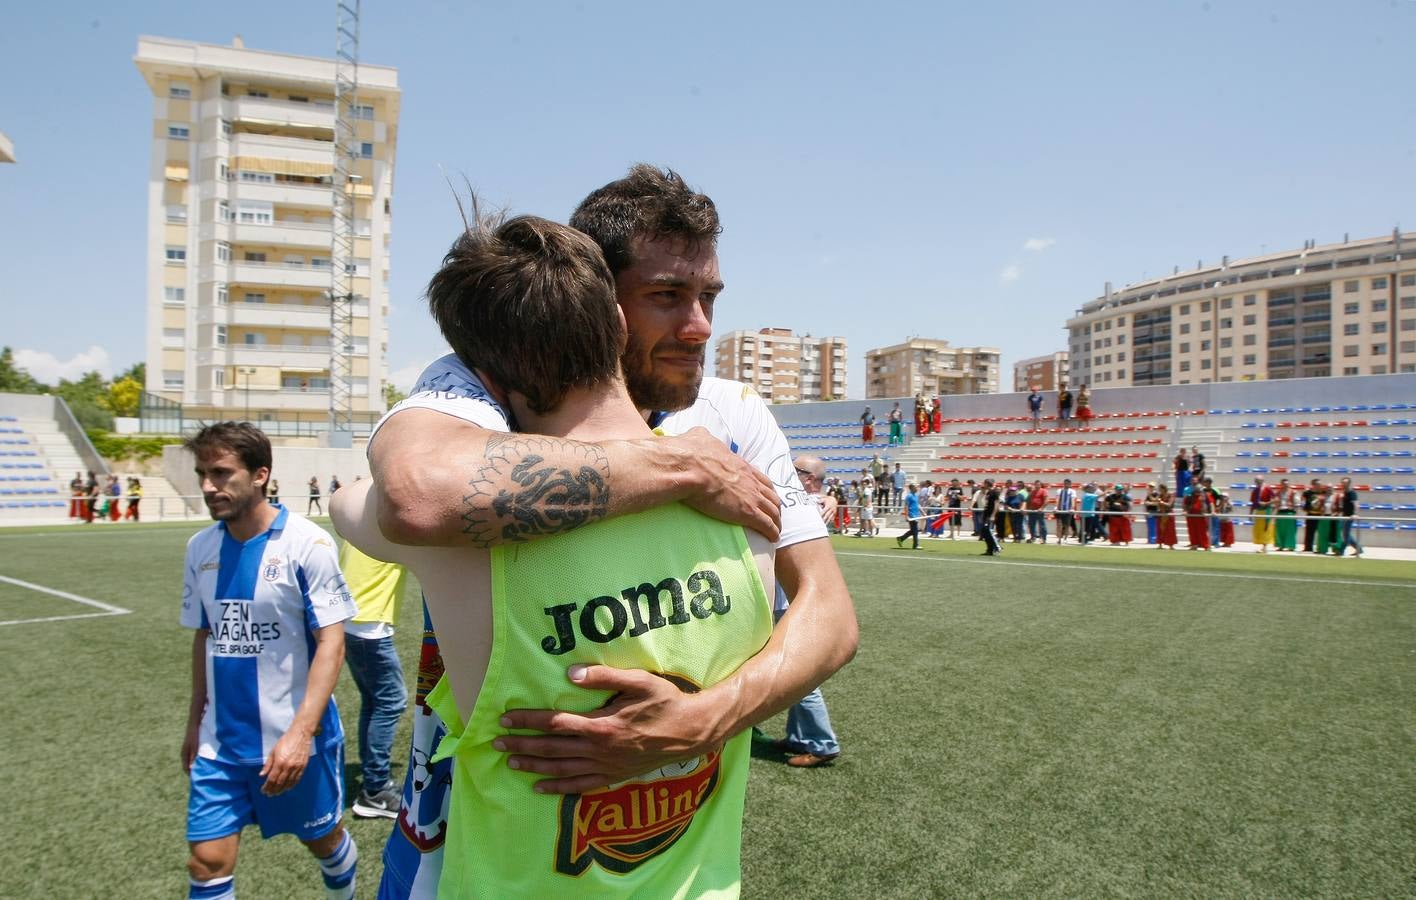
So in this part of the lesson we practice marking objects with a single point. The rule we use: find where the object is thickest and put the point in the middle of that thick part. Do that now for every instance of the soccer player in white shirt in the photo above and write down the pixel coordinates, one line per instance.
(264, 745)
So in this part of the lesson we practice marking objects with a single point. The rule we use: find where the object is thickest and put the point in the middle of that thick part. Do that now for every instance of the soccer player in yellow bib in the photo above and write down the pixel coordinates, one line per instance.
(668, 590)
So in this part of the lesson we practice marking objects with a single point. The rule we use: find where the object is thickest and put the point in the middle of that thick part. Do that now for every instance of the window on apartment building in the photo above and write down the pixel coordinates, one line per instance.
(179, 92)
(1408, 324)
(1226, 362)
(220, 336)
(172, 380)
(253, 339)
(173, 338)
(176, 254)
(1205, 325)
(1184, 327)
(1250, 340)
(223, 171)
(1350, 370)
(363, 111)
(1251, 319)
(1250, 359)
(1351, 350)
(1185, 347)
(1184, 309)
(179, 132)
(1379, 283)
(253, 256)
(251, 213)
(297, 98)
(175, 296)
(253, 92)
(1225, 343)
(1121, 357)
(1205, 306)
(1226, 323)
(366, 150)
(1226, 303)
(1120, 373)
(220, 294)
(1351, 287)
(223, 211)
(1379, 349)
(218, 378)
(1351, 309)
(1379, 370)
(253, 297)
(1351, 328)
(1408, 347)
(256, 177)
(226, 129)
(1120, 338)
(176, 213)
(1250, 299)
(1379, 328)
(1379, 305)
(1184, 365)
(1204, 345)
(1408, 302)
(1204, 364)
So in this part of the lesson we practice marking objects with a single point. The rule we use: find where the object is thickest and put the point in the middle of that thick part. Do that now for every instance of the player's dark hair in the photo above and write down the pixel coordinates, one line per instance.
(647, 203)
(246, 441)
(532, 304)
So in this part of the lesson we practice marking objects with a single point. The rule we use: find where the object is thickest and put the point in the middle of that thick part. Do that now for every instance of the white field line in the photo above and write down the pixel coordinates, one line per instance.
(107, 608)
(1130, 570)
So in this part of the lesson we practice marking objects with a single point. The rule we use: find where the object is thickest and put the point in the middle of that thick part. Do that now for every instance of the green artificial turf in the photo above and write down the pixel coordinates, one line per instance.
(1059, 721)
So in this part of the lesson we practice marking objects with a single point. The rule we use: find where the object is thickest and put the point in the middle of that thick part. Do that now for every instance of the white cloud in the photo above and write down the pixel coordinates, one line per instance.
(48, 368)
(1037, 245)
(1010, 274)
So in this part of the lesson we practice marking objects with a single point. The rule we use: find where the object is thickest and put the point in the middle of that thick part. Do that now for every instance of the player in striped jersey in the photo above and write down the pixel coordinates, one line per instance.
(264, 745)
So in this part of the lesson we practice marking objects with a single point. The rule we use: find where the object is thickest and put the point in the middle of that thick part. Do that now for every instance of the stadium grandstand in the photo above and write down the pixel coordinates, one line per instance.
(1298, 429)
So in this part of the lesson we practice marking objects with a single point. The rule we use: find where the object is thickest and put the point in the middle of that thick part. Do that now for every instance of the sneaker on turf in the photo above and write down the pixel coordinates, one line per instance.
(381, 804)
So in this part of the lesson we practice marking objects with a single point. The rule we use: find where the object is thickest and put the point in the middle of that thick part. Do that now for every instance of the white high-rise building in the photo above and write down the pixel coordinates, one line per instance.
(239, 233)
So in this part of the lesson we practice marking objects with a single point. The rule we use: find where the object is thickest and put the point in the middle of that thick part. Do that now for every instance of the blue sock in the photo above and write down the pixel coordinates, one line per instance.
(338, 869)
(216, 889)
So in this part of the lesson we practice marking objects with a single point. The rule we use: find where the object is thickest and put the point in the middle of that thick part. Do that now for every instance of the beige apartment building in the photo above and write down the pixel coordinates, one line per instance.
(240, 205)
(1042, 372)
(930, 367)
(1336, 309)
(783, 367)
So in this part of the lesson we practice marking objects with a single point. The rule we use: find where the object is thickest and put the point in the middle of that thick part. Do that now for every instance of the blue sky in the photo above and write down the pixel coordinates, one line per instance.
(972, 173)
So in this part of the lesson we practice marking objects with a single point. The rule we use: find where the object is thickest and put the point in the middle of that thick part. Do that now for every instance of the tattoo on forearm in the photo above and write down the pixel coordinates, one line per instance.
(520, 496)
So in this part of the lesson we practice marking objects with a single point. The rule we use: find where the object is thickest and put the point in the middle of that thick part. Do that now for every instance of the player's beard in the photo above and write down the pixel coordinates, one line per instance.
(657, 393)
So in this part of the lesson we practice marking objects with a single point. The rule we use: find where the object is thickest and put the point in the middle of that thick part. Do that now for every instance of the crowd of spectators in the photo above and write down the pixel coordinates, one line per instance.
(90, 501)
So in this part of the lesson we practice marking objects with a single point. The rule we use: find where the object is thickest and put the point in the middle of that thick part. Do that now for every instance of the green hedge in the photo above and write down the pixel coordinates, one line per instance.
(116, 446)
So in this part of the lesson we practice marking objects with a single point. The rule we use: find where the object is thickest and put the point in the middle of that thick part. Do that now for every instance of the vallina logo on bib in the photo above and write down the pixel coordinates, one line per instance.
(625, 825)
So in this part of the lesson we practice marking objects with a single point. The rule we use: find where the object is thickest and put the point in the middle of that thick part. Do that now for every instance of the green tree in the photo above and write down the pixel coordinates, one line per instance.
(15, 380)
(392, 395)
(124, 395)
(137, 372)
(88, 400)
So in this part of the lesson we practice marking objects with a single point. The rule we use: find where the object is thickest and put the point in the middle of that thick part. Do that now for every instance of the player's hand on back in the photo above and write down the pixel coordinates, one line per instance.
(286, 763)
(648, 724)
(731, 489)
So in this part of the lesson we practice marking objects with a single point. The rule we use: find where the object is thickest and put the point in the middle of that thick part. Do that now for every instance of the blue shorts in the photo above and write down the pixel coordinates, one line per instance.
(226, 797)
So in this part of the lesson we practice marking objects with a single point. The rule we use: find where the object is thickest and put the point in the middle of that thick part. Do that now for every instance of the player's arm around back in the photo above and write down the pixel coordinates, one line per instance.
(443, 481)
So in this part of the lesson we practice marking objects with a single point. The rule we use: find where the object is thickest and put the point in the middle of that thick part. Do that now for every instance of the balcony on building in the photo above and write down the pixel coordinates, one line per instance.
(279, 274)
(264, 113)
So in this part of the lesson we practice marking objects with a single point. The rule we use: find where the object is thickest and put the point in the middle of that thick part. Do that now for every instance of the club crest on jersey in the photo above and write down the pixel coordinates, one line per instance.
(625, 825)
(271, 572)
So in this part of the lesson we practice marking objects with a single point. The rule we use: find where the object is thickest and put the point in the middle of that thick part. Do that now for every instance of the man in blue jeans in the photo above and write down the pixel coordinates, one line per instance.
(810, 742)
(373, 662)
(1348, 505)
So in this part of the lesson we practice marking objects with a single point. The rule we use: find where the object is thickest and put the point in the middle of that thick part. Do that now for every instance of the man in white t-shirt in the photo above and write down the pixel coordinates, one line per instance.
(449, 470)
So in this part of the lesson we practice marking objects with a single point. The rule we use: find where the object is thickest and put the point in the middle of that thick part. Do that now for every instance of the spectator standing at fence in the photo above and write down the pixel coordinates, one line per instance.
(1064, 407)
(867, 526)
(334, 484)
(867, 426)
(1197, 464)
(866, 487)
(897, 425)
(1224, 519)
(1261, 507)
(1165, 515)
(954, 499)
(1087, 501)
(90, 497)
(897, 485)
(1182, 472)
(1349, 519)
(978, 499)
(1066, 512)
(1330, 528)
(135, 496)
(273, 492)
(1037, 516)
(1035, 408)
(877, 467)
(1118, 523)
(912, 517)
(934, 512)
(1312, 511)
(1196, 501)
(76, 494)
(314, 501)
(1084, 408)
(115, 499)
(1285, 527)
(1152, 516)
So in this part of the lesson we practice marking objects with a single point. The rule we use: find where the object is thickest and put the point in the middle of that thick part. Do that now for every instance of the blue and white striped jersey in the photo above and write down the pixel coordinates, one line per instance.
(262, 600)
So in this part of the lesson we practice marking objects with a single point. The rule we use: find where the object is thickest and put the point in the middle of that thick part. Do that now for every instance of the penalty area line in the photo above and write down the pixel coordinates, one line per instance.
(107, 609)
(1132, 570)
